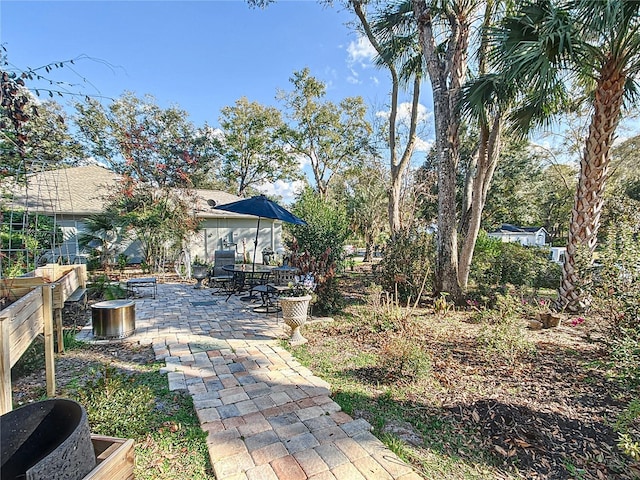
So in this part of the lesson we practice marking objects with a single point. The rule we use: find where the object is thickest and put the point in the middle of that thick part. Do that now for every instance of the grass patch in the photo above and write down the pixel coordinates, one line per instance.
(169, 443)
(377, 380)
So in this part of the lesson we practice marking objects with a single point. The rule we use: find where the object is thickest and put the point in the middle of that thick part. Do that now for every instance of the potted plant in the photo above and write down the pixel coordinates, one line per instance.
(199, 271)
(295, 305)
(545, 316)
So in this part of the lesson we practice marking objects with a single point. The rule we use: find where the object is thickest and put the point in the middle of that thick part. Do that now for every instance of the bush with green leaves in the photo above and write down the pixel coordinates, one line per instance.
(615, 287)
(613, 292)
(501, 335)
(499, 263)
(31, 232)
(103, 288)
(317, 246)
(628, 427)
(406, 266)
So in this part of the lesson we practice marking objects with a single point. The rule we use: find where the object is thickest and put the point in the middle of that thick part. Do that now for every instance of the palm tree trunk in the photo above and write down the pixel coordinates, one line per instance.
(588, 202)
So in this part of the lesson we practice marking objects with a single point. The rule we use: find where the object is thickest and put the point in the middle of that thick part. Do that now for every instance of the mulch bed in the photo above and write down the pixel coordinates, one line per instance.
(546, 416)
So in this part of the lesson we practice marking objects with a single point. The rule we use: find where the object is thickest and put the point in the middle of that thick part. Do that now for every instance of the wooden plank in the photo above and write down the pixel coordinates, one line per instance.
(101, 443)
(14, 288)
(25, 323)
(66, 285)
(10, 283)
(49, 360)
(57, 313)
(6, 403)
(117, 464)
(82, 275)
(24, 307)
(107, 452)
(15, 293)
(51, 272)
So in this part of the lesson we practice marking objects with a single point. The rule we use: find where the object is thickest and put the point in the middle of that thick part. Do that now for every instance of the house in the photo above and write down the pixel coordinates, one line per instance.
(70, 195)
(527, 236)
(558, 255)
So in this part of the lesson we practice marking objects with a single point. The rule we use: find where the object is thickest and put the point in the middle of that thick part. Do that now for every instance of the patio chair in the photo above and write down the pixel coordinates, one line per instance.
(270, 292)
(218, 279)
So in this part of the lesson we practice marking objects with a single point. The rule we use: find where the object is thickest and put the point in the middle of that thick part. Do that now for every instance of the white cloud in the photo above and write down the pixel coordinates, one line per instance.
(354, 77)
(361, 51)
(404, 113)
(286, 190)
(423, 145)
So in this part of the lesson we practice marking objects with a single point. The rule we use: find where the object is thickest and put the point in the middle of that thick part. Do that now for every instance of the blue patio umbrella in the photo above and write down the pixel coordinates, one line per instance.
(261, 207)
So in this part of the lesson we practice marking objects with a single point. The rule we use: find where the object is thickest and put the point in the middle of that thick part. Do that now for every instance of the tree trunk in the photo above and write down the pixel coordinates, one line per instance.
(368, 252)
(588, 202)
(488, 152)
(398, 166)
(447, 73)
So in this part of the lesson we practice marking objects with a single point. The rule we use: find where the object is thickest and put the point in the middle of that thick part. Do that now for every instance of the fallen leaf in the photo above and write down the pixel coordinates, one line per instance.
(521, 443)
(500, 450)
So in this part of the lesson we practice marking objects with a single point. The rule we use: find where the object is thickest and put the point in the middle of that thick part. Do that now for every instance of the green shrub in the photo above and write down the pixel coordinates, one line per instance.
(39, 234)
(101, 287)
(404, 358)
(625, 353)
(613, 294)
(317, 246)
(70, 341)
(498, 263)
(628, 427)
(407, 261)
(505, 339)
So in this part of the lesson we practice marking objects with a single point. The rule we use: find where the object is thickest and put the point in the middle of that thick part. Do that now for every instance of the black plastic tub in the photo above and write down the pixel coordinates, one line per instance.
(46, 440)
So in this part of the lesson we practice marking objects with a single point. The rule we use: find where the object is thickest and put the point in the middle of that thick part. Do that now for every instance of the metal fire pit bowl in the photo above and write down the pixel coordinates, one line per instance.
(48, 440)
(113, 319)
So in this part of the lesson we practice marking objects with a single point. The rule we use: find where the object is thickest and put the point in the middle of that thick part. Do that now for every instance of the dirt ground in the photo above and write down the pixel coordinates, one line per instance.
(546, 415)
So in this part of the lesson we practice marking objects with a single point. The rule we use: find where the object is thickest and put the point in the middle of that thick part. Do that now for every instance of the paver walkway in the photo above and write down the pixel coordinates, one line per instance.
(267, 416)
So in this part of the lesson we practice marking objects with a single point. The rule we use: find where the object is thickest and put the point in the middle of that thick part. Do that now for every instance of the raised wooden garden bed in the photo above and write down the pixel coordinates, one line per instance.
(36, 299)
(114, 459)
(20, 323)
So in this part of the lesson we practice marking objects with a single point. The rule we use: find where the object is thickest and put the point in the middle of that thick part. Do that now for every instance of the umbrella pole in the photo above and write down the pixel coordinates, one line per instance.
(255, 248)
(250, 297)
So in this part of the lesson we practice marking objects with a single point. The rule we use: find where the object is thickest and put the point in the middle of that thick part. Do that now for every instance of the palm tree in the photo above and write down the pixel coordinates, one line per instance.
(101, 236)
(547, 48)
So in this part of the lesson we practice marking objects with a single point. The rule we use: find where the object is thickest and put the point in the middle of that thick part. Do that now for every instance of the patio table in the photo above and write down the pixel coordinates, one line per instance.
(246, 276)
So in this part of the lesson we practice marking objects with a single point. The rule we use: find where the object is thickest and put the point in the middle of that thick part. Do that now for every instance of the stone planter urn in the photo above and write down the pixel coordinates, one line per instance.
(294, 314)
(549, 320)
(199, 272)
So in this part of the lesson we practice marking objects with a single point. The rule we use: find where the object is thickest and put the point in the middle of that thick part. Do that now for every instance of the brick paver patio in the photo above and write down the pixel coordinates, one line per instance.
(267, 416)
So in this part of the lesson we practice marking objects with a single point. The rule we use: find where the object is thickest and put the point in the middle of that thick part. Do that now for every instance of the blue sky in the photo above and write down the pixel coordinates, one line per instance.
(200, 55)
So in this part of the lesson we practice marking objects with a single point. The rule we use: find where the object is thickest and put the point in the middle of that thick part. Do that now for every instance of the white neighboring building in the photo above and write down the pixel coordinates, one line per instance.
(527, 236)
(70, 195)
(558, 254)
